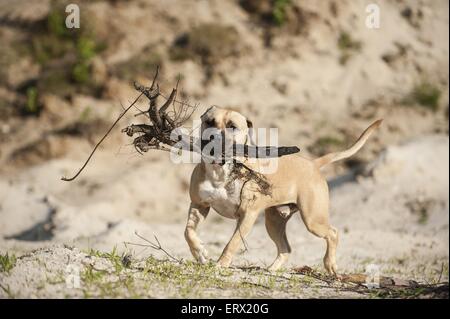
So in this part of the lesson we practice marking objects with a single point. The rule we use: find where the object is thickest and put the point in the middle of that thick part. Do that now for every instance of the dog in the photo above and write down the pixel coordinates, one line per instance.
(296, 186)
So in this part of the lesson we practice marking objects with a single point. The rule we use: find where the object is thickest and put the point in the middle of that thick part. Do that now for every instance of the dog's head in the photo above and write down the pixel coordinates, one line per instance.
(230, 125)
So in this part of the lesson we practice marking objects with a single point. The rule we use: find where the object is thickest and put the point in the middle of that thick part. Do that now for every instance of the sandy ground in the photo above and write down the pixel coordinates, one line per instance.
(391, 207)
(395, 217)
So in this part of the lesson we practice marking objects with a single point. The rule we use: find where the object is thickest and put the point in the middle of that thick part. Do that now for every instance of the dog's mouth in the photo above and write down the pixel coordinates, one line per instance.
(217, 148)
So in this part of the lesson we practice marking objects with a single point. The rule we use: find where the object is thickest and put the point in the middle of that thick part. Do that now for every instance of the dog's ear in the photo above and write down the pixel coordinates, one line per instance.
(249, 124)
(206, 113)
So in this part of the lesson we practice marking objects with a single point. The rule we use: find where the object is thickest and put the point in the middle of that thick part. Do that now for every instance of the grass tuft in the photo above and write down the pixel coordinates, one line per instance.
(347, 46)
(426, 95)
(7, 262)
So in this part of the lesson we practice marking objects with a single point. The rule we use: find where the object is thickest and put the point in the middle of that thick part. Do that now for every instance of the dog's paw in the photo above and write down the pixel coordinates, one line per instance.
(331, 268)
(272, 268)
(202, 256)
(202, 259)
(223, 262)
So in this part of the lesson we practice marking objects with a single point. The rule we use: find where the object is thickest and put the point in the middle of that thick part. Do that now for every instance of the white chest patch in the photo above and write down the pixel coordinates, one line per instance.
(222, 195)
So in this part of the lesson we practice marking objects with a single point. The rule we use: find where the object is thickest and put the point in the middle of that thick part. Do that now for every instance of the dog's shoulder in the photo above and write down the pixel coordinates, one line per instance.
(197, 176)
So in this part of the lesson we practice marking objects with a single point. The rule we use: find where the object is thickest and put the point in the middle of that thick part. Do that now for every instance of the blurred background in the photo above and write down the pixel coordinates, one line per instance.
(313, 69)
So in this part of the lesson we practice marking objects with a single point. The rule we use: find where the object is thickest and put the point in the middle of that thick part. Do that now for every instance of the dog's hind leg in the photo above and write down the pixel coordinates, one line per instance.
(196, 215)
(276, 228)
(314, 212)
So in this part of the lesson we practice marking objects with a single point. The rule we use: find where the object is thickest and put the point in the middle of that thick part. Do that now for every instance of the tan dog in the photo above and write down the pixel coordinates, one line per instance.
(297, 185)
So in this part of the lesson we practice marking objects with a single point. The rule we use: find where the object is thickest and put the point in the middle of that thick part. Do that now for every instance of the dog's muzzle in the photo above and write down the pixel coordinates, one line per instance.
(214, 148)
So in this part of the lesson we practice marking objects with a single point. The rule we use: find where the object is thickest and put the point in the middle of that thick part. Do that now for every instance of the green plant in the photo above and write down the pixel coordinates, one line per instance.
(348, 46)
(81, 72)
(142, 64)
(329, 140)
(326, 144)
(90, 275)
(86, 48)
(426, 95)
(56, 21)
(73, 49)
(32, 100)
(7, 262)
(279, 11)
(346, 42)
(274, 13)
(208, 42)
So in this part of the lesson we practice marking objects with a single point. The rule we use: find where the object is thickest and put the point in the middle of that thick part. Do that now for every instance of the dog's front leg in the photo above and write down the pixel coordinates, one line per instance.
(245, 224)
(196, 215)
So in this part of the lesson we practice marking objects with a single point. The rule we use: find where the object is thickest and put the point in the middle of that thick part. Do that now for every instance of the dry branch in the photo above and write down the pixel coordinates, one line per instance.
(173, 114)
(156, 246)
(387, 286)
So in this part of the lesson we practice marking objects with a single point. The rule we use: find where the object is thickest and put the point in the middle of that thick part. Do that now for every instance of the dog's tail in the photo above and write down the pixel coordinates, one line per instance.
(333, 157)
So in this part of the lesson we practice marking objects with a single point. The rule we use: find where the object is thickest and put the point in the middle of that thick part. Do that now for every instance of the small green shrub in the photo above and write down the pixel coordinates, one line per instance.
(346, 42)
(65, 55)
(269, 12)
(347, 46)
(144, 64)
(56, 21)
(426, 95)
(7, 262)
(81, 72)
(279, 11)
(32, 100)
(326, 144)
(208, 42)
(86, 48)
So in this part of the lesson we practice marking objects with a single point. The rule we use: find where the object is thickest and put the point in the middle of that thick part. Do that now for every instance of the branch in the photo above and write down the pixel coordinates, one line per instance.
(101, 140)
(174, 114)
(156, 246)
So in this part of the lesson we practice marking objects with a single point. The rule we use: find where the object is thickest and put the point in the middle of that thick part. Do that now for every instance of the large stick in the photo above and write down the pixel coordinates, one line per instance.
(101, 140)
(158, 132)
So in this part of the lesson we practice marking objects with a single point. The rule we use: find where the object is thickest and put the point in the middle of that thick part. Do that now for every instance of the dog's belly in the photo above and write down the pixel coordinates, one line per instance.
(225, 198)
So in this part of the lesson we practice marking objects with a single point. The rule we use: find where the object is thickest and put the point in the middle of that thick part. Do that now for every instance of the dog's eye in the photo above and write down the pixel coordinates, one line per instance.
(231, 125)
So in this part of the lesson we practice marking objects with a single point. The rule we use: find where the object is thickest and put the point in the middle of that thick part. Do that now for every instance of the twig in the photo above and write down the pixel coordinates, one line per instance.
(156, 246)
(158, 134)
(101, 140)
(440, 275)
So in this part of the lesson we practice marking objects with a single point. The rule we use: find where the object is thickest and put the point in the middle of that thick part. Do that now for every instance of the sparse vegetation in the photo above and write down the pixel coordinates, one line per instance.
(347, 46)
(208, 43)
(271, 12)
(65, 55)
(7, 262)
(279, 11)
(421, 209)
(141, 65)
(32, 100)
(326, 144)
(426, 95)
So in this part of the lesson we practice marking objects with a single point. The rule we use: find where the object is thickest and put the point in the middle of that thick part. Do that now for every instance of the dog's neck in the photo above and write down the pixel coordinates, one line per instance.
(218, 173)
